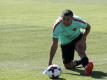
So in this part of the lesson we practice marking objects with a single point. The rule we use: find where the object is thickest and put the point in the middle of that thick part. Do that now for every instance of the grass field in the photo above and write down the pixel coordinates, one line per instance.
(25, 37)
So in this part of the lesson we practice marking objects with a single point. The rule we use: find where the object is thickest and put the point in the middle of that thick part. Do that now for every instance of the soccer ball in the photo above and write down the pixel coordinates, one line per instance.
(53, 71)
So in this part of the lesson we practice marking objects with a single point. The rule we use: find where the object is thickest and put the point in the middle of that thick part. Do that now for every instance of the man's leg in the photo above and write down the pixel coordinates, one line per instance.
(68, 55)
(81, 48)
(70, 65)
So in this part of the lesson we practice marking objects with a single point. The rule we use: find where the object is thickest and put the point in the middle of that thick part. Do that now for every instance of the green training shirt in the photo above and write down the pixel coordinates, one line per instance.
(69, 33)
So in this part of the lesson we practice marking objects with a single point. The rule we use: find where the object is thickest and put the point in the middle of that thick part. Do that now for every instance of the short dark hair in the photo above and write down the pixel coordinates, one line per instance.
(67, 12)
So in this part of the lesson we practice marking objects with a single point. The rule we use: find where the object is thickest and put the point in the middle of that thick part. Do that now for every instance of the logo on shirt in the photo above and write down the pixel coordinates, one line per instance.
(74, 29)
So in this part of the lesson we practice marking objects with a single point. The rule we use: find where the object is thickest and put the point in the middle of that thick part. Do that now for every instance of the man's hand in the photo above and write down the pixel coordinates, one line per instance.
(53, 50)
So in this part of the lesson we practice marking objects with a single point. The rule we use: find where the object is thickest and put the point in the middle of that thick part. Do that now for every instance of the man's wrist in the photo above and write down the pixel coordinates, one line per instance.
(50, 62)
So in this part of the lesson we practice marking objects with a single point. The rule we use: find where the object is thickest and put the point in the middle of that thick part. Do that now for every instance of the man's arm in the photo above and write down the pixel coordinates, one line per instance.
(53, 50)
(54, 42)
(88, 28)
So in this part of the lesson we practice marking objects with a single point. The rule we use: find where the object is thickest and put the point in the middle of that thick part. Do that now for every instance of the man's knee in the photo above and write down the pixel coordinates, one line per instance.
(80, 48)
(69, 66)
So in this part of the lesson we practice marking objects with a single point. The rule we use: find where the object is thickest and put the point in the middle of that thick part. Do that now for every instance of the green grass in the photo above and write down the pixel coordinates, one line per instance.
(25, 37)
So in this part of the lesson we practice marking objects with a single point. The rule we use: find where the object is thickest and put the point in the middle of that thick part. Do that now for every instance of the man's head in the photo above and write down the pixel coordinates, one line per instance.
(67, 17)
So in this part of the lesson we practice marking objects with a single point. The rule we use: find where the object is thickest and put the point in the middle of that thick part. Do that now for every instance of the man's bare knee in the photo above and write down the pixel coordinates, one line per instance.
(80, 48)
(69, 66)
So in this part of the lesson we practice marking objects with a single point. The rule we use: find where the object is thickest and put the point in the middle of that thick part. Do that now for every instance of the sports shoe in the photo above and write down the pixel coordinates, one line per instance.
(89, 68)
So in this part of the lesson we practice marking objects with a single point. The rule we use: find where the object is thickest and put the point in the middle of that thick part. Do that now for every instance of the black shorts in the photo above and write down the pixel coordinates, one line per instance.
(68, 50)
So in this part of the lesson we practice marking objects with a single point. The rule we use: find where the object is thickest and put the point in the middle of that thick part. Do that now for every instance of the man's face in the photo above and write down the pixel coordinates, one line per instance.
(67, 20)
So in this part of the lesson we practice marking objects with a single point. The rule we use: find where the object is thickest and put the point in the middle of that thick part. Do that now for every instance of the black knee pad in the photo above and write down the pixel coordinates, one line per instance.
(84, 61)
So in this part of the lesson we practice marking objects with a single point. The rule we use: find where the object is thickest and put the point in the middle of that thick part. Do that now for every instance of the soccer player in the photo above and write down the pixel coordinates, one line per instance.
(72, 32)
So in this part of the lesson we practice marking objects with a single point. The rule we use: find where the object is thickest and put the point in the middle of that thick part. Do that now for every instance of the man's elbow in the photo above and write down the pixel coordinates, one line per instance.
(88, 26)
(55, 42)
(55, 45)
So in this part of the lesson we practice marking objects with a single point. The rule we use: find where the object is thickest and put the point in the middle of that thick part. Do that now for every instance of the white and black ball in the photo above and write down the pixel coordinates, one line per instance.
(53, 71)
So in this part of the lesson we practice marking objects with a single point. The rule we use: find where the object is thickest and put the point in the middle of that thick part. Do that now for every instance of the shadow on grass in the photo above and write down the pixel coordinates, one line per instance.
(60, 79)
(99, 74)
(95, 74)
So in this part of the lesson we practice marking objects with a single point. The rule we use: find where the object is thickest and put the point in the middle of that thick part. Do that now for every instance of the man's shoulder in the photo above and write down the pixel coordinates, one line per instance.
(79, 19)
(57, 23)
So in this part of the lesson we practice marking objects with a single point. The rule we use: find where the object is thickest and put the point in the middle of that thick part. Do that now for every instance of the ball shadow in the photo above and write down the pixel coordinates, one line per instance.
(59, 79)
